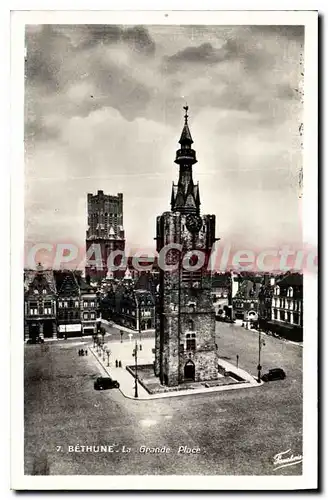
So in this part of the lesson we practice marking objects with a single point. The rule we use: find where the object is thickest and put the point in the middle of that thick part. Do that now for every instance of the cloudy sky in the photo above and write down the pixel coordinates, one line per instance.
(104, 111)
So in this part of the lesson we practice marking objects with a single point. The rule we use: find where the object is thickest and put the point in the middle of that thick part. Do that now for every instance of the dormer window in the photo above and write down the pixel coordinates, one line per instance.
(277, 290)
(36, 292)
(290, 292)
(44, 291)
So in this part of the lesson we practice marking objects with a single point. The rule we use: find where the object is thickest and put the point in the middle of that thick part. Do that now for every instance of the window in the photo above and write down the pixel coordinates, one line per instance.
(65, 304)
(85, 304)
(290, 292)
(282, 315)
(85, 315)
(92, 304)
(47, 308)
(33, 308)
(44, 291)
(77, 303)
(296, 318)
(191, 325)
(277, 290)
(190, 341)
(60, 304)
(288, 317)
(252, 305)
(275, 314)
(36, 292)
(192, 307)
(92, 316)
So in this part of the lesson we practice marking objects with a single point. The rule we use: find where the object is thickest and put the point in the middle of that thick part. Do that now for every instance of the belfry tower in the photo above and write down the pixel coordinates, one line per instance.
(185, 348)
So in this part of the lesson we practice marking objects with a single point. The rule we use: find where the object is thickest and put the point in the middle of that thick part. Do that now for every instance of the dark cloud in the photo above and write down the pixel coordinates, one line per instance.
(136, 37)
(291, 31)
(203, 54)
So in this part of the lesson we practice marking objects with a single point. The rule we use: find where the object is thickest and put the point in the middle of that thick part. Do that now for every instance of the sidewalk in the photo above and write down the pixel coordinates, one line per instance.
(123, 352)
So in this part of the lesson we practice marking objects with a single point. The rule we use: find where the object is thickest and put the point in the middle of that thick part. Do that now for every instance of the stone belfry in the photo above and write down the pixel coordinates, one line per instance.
(185, 348)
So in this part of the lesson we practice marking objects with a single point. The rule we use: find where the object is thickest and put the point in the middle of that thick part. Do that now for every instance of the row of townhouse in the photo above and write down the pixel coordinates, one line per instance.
(58, 304)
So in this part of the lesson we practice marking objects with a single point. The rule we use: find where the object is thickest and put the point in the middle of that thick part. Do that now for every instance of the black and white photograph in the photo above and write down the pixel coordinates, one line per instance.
(166, 325)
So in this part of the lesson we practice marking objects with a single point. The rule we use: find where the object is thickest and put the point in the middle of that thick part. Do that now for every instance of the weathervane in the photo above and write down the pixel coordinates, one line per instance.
(186, 107)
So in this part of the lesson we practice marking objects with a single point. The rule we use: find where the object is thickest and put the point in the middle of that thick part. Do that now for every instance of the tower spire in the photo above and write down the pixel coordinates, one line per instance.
(186, 107)
(185, 195)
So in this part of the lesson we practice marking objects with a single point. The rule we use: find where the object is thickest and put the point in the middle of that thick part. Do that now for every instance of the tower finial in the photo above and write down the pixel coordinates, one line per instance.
(186, 107)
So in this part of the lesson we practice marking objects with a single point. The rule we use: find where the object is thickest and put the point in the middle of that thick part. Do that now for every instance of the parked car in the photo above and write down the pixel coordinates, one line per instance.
(103, 383)
(274, 374)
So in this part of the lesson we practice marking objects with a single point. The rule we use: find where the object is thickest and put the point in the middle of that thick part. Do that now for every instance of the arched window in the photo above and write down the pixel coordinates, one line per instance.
(36, 292)
(191, 326)
(290, 292)
(44, 291)
(277, 290)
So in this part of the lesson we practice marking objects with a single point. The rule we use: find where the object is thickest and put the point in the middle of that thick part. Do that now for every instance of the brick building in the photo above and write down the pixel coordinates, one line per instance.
(39, 305)
(57, 304)
(105, 230)
(246, 300)
(185, 346)
(130, 303)
(68, 304)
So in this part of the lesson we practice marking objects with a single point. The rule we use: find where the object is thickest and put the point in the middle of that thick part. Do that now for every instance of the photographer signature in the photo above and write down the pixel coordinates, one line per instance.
(282, 459)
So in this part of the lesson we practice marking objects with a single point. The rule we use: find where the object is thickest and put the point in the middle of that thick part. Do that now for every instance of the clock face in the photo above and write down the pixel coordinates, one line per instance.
(193, 223)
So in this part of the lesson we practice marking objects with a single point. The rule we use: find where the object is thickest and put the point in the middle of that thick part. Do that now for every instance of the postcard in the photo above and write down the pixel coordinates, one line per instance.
(164, 250)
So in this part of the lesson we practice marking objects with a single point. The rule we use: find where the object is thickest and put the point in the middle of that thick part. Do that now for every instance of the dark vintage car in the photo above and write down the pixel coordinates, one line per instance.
(274, 374)
(103, 383)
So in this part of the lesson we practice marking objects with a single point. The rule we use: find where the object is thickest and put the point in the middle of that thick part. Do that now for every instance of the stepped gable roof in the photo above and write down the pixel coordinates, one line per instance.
(69, 285)
(39, 280)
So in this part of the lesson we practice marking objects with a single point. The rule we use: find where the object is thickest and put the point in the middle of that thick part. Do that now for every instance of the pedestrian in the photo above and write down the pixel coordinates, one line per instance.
(116, 363)
(86, 352)
(79, 352)
(120, 364)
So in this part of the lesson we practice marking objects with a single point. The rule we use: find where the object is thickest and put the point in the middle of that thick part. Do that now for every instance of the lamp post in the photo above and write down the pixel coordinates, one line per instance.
(136, 370)
(139, 311)
(259, 367)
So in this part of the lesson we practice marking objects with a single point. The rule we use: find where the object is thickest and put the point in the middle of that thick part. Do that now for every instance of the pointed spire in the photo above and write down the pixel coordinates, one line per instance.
(127, 275)
(185, 134)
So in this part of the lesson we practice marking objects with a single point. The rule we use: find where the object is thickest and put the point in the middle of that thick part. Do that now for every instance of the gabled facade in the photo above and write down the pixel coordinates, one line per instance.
(246, 300)
(68, 302)
(39, 305)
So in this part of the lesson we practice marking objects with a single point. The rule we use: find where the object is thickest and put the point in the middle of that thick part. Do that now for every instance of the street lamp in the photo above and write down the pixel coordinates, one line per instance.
(139, 310)
(108, 352)
(259, 367)
(135, 354)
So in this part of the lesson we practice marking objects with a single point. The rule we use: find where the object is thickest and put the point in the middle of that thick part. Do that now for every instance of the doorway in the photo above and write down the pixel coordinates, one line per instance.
(189, 371)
